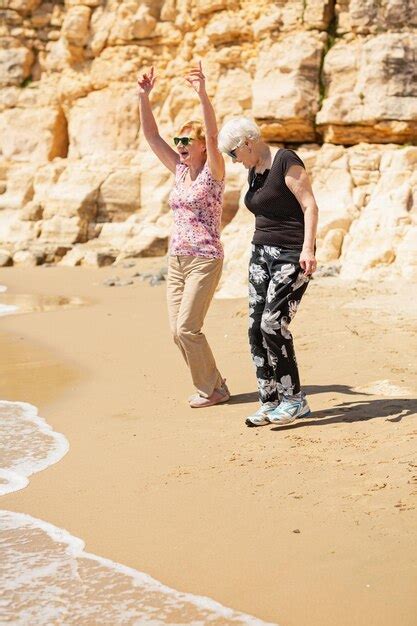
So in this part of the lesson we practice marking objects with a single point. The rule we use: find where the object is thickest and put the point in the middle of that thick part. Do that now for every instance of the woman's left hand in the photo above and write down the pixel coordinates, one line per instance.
(196, 79)
(308, 262)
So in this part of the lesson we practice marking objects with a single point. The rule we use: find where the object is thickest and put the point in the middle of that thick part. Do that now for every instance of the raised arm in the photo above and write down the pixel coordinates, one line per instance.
(215, 159)
(298, 182)
(163, 151)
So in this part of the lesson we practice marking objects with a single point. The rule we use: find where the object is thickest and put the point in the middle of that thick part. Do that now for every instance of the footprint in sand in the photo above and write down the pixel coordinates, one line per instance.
(378, 487)
(403, 506)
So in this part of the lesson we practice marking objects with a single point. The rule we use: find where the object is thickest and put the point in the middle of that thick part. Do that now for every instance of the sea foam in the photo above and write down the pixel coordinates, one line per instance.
(27, 444)
(6, 309)
(49, 579)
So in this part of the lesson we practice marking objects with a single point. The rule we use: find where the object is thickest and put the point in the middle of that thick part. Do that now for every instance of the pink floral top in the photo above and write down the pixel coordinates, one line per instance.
(197, 214)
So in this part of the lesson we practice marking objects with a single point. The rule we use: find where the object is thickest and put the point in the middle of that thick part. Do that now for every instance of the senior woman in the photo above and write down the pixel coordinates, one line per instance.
(196, 254)
(283, 259)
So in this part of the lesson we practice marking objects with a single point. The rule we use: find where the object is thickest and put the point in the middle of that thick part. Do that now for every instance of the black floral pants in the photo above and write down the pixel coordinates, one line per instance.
(276, 286)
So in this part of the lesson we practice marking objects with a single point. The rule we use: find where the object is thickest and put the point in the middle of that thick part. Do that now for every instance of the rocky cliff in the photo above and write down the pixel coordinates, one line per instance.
(335, 80)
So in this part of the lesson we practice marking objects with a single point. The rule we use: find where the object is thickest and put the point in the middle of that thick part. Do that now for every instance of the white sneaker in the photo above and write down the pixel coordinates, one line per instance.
(289, 410)
(260, 417)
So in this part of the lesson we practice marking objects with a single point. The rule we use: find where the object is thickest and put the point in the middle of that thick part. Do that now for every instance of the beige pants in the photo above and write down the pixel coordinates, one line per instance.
(191, 284)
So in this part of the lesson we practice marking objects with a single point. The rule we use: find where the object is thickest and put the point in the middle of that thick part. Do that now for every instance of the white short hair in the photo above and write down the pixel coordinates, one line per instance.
(235, 132)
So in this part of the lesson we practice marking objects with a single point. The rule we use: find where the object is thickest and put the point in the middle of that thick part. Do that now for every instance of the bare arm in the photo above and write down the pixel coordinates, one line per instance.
(163, 151)
(298, 182)
(215, 159)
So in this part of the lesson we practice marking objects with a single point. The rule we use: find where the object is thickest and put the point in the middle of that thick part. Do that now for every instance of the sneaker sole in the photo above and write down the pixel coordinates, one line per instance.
(249, 423)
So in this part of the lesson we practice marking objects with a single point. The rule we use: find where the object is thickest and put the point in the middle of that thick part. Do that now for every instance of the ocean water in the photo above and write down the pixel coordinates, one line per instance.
(46, 577)
(6, 309)
(27, 445)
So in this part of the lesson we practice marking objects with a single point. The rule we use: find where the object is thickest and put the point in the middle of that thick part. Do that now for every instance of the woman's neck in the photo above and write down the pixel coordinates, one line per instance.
(264, 158)
(195, 168)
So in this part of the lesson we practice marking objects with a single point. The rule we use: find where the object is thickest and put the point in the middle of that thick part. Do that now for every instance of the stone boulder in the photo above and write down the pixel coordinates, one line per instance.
(236, 238)
(135, 238)
(5, 258)
(119, 195)
(370, 90)
(19, 181)
(155, 185)
(370, 248)
(75, 28)
(133, 20)
(33, 134)
(333, 188)
(63, 230)
(23, 6)
(15, 63)
(102, 122)
(373, 16)
(14, 232)
(75, 193)
(233, 93)
(285, 89)
(27, 258)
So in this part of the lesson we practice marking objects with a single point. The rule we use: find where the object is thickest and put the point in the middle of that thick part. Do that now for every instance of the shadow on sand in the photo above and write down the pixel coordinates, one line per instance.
(310, 390)
(392, 409)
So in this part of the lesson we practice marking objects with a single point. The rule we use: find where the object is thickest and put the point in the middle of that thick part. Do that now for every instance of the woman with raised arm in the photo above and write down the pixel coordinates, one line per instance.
(196, 254)
(282, 261)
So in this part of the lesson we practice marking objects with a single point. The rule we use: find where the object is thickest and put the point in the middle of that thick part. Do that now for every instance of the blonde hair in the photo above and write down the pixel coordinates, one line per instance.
(196, 127)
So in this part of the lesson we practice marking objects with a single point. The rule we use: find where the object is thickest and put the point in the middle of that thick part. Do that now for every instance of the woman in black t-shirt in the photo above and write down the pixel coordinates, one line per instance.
(282, 261)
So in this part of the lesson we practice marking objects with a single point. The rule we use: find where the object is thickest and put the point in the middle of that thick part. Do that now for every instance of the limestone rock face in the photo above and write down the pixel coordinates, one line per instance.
(285, 89)
(15, 65)
(102, 122)
(75, 28)
(371, 90)
(33, 134)
(372, 16)
(23, 6)
(382, 228)
(335, 79)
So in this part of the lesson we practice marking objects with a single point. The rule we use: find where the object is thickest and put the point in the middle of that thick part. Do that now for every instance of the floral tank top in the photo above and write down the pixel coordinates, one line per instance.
(197, 214)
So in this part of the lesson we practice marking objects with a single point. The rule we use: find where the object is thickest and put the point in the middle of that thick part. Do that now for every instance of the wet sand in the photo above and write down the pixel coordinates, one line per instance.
(193, 497)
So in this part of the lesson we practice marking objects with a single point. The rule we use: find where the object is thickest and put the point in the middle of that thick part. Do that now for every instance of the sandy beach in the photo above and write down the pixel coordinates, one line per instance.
(308, 524)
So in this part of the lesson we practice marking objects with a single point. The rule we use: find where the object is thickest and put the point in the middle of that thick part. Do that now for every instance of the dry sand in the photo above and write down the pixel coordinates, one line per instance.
(195, 498)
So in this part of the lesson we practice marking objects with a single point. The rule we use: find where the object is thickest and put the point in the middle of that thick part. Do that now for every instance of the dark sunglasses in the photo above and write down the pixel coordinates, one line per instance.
(232, 153)
(184, 140)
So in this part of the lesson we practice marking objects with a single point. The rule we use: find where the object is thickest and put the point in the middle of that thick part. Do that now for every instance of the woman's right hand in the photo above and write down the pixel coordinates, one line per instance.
(146, 82)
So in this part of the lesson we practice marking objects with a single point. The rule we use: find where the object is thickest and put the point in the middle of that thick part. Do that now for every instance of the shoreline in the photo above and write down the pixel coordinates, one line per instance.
(181, 494)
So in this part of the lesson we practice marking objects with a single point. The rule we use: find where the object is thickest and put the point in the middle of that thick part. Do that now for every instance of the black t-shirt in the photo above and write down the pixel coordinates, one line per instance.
(279, 216)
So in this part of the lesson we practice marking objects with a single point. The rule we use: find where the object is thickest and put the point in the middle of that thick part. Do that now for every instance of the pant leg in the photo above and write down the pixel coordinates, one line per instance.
(175, 290)
(259, 279)
(201, 277)
(285, 291)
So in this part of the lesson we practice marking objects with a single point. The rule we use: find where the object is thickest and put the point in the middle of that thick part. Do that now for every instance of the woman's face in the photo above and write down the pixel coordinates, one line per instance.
(246, 154)
(193, 152)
